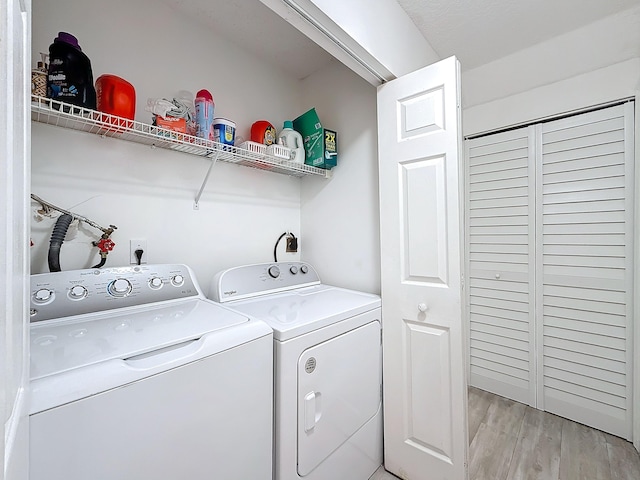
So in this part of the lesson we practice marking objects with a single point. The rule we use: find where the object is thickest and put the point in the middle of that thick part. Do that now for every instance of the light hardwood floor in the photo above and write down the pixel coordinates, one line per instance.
(512, 441)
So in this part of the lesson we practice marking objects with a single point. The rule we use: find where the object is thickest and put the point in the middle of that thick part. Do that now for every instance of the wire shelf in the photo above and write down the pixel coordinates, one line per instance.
(53, 112)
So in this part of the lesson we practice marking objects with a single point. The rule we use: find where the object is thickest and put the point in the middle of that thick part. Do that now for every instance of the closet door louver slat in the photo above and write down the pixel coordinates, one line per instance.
(584, 269)
(500, 264)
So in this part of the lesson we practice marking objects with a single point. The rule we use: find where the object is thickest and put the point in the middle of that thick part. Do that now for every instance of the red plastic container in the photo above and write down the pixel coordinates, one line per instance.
(116, 96)
(263, 132)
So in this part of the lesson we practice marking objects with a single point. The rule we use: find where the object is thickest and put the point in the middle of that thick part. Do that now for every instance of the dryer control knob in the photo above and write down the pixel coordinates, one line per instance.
(304, 268)
(177, 280)
(293, 270)
(274, 272)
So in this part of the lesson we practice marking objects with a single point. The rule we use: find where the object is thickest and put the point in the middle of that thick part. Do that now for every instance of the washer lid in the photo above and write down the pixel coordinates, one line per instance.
(304, 310)
(58, 346)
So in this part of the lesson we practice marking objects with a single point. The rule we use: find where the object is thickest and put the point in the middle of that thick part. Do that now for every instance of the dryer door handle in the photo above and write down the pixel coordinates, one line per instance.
(312, 410)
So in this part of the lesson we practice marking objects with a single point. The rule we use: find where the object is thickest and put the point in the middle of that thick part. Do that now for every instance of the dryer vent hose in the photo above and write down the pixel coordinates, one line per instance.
(57, 237)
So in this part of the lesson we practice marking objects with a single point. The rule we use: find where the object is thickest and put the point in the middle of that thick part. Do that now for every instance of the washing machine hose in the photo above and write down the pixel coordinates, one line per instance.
(57, 237)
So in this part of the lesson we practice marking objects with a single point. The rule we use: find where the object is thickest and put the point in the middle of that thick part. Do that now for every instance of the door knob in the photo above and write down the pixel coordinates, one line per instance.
(422, 307)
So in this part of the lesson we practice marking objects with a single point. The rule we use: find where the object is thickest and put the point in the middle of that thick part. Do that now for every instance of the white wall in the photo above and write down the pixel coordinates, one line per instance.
(149, 193)
(161, 52)
(588, 66)
(600, 86)
(340, 218)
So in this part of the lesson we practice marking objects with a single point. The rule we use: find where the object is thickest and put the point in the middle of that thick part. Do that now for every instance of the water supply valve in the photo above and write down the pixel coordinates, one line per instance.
(105, 245)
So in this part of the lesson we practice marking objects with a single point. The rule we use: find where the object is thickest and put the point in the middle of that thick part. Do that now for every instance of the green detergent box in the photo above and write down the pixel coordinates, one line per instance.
(320, 144)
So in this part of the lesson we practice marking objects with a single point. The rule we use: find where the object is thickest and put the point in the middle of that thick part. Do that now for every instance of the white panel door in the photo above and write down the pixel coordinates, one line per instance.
(500, 218)
(425, 404)
(586, 263)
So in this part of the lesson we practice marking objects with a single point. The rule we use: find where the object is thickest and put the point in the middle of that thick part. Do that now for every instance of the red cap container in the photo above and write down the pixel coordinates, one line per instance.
(116, 96)
(263, 132)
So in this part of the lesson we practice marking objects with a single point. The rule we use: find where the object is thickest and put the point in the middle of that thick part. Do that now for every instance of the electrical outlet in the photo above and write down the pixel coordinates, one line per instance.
(138, 244)
(292, 244)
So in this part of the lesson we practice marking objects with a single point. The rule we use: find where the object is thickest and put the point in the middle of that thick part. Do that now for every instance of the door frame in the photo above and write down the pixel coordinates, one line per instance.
(15, 148)
(636, 279)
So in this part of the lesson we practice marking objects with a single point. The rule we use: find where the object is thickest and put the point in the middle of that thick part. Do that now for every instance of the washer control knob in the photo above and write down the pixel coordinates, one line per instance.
(293, 269)
(274, 272)
(42, 295)
(177, 280)
(155, 282)
(304, 268)
(120, 287)
(77, 292)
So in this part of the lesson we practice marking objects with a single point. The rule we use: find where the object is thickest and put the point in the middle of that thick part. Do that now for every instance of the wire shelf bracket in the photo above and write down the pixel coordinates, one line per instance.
(196, 204)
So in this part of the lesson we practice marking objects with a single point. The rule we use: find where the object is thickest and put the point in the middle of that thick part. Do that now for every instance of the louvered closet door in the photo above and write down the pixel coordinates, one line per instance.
(585, 209)
(500, 264)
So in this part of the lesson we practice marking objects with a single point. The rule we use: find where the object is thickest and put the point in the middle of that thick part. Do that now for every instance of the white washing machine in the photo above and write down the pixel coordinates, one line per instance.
(328, 373)
(136, 375)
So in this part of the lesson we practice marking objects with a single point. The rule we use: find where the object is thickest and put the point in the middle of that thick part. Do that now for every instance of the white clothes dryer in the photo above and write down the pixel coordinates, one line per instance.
(328, 368)
(136, 375)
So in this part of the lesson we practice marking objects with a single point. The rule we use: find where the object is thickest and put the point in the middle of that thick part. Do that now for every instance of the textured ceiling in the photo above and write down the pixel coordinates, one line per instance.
(480, 31)
(476, 31)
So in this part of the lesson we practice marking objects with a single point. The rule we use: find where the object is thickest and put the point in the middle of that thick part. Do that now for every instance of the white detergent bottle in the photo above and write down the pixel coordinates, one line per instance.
(291, 139)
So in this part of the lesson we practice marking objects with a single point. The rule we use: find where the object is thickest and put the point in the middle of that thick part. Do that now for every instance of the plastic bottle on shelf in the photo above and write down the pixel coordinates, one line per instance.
(69, 77)
(204, 114)
(39, 77)
(291, 139)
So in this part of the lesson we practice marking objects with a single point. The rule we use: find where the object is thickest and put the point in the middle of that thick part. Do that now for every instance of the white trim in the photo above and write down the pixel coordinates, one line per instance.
(636, 309)
(15, 154)
(364, 63)
(535, 261)
(551, 117)
(466, 264)
(631, 229)
(13, 424)
(539, 266)
(310, 20)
